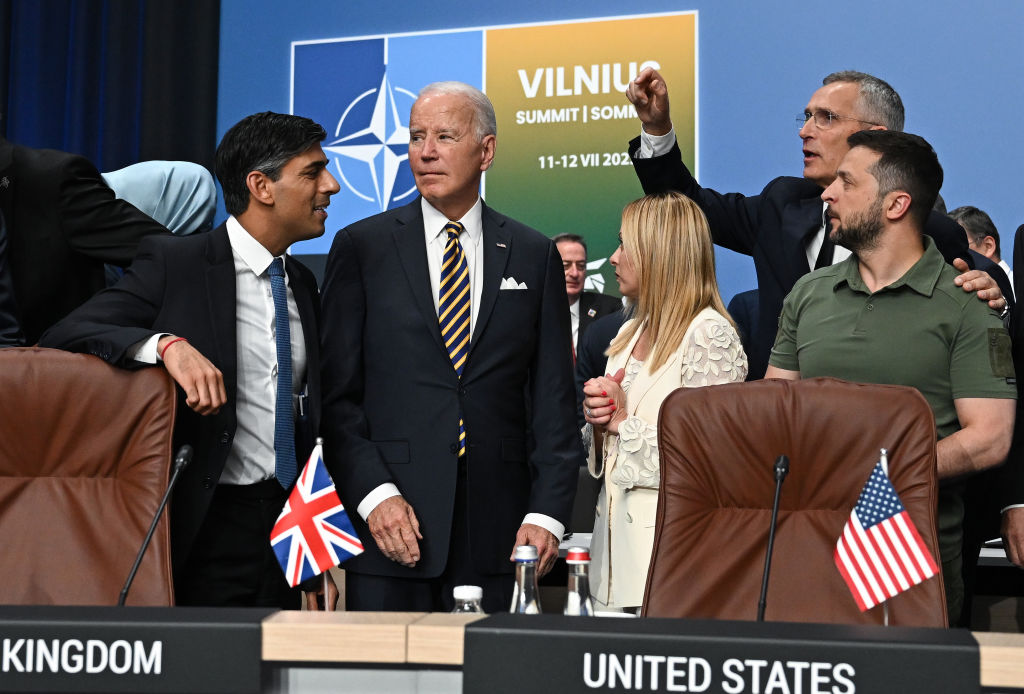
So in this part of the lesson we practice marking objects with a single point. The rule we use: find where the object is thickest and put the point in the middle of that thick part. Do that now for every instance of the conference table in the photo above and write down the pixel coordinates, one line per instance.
(250, 650)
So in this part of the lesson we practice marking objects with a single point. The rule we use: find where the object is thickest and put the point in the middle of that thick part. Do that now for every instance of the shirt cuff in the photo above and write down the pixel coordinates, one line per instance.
(655, 145)
(546, 522)
(1007, 508)
(374, 498)
(145, 351)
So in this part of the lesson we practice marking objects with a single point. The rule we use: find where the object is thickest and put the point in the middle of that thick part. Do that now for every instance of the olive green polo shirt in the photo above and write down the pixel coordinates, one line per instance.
(922, 331)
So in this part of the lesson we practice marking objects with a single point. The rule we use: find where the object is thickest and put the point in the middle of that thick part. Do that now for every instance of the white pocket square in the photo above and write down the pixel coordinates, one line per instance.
(510, 283)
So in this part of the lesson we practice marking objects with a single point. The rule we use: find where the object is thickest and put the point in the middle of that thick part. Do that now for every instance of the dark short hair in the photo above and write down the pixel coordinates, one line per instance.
(262, 142)
(567, 237)
(907, 163)
(977, 224)
(879, 102)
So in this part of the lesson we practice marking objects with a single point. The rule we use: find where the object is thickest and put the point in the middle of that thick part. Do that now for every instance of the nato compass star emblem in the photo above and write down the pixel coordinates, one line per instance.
(380, 145)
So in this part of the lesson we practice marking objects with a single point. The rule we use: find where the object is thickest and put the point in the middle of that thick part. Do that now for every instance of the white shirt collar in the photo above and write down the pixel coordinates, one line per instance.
(434, 221)
(253, 253)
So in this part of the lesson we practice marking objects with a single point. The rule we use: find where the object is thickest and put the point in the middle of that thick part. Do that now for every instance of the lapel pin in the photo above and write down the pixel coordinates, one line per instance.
(4, 182)
(501, 245)
(592, 312)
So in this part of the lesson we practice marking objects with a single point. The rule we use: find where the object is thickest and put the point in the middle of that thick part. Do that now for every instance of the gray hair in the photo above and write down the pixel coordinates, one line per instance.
(879, 102)
(484, 121)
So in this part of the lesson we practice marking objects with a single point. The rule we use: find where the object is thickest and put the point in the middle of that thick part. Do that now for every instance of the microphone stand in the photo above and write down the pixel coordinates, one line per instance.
(781, 470)
(180, 461)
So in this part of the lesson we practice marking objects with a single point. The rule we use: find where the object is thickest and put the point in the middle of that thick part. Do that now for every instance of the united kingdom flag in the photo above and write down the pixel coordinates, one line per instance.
(313, 532)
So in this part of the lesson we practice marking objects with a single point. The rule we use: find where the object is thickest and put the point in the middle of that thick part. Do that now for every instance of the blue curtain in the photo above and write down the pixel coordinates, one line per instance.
(117, 81)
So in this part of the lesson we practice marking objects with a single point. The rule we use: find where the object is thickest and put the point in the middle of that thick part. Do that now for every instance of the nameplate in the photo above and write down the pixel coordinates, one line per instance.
(517, 653)
(130, 649)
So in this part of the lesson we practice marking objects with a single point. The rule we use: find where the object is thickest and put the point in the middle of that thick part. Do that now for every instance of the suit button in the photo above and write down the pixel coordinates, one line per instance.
(454, 448)
(207, 483)
(629, 518)
(462, 391)
(225, 437)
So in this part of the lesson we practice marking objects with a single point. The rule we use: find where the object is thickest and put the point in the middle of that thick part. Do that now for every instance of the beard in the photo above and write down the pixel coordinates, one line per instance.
(859, 232)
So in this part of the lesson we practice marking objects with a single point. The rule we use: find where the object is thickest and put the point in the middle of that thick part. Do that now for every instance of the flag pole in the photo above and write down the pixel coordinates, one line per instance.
(883, 458)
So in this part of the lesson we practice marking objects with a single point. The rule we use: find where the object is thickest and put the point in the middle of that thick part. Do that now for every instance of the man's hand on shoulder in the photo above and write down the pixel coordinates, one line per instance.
(396, 530)
(649, 94)
(981, 282)
(543, 540)
(202, 382)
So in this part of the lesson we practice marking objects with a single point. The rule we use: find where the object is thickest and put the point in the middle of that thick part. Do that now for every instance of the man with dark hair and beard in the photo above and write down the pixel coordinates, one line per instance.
(890, 313)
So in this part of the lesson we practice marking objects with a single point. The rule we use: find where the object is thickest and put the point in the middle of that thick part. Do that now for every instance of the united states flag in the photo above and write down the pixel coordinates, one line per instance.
(313, 532)
(880, 553)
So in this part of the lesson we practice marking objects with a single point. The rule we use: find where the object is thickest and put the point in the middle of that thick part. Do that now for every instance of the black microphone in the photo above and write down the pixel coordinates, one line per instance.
(781, 470)
(180, 461)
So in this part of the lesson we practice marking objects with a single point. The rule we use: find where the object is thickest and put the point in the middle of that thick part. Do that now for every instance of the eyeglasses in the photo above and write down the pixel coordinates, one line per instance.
(825, 119)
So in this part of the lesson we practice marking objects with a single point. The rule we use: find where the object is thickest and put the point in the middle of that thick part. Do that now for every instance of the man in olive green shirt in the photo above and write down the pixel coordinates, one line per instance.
(887, 315)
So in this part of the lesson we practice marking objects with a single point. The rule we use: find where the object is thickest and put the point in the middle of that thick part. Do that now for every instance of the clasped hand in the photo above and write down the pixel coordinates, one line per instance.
(604, 401)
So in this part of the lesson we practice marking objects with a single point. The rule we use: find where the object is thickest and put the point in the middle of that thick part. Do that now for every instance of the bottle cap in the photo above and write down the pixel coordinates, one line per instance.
(526, 553)
(578, 555)
(468, 592)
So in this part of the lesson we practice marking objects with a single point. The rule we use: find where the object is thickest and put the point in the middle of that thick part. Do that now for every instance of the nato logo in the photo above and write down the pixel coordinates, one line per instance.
(361, 91)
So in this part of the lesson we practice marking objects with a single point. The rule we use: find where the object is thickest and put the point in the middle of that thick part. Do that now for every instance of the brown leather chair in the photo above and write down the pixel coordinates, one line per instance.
(718, 446)
(85, 456)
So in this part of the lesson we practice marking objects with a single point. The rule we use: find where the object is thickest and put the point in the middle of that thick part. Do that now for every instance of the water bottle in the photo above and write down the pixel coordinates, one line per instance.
(525, 596)
(577, 599)
(467, 599)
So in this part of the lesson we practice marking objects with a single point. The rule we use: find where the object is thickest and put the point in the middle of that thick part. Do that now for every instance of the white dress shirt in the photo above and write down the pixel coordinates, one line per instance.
(435, 237)
(251, 458)
(574, 319)
(657, 145)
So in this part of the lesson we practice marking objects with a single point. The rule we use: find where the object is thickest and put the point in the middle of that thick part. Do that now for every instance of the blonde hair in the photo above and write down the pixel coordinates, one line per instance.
(667, 240)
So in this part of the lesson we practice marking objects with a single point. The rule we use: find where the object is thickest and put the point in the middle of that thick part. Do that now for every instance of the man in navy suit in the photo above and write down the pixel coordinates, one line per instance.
(452, 452)
(204, 306)
(783, 228)
(584, 307)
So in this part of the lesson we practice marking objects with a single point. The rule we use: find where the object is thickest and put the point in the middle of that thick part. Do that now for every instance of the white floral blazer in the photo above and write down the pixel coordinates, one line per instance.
(710, 353)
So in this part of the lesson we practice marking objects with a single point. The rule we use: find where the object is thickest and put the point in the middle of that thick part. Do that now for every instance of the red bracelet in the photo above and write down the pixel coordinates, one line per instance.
(164, 350)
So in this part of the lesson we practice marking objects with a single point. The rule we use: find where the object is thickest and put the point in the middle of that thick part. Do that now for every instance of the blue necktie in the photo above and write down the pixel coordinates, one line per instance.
(453, 308)
(284, 414)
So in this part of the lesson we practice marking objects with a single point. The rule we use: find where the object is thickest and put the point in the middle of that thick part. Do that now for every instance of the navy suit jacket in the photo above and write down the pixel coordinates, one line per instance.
(593, 306)
(10, 328)
(186, 286)
(771, 228)
(63, 224)
(392, 398)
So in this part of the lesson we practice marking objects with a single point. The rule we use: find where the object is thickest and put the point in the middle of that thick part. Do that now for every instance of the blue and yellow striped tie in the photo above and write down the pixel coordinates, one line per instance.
(453, 312)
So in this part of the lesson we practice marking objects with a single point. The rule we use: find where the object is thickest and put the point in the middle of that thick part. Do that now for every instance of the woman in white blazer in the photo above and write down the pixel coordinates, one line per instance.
(679, 335)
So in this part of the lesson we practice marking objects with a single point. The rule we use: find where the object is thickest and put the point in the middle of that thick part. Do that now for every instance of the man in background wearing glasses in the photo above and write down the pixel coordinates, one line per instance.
(783, 228)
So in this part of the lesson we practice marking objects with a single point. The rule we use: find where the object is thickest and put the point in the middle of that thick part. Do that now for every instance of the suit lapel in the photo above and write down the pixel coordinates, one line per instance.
(640, 387)
(6, 184)
(798, 222)
(304, 299)
(412, 252)
(497, 246)
(220, 294)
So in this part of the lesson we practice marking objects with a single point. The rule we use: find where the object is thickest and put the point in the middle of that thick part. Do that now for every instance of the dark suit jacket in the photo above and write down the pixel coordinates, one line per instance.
(591, 359)
(10, 328)
(392, 398)
(63, 224)
(593, 306)
(186, 286)
(771, 228)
